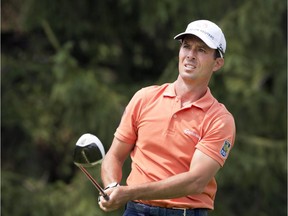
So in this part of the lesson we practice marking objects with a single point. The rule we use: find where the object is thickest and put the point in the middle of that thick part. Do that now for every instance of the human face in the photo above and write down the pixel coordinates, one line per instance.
(197, 61)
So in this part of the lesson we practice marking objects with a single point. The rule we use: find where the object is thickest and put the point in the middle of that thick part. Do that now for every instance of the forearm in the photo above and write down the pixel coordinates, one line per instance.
(111, 170)
(176, 186)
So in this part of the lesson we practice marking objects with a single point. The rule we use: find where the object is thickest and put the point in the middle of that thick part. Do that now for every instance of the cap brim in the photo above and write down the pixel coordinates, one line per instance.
(198, 34)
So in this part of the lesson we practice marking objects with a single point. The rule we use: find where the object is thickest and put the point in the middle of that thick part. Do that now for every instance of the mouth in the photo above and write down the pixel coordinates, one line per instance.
(189, 66)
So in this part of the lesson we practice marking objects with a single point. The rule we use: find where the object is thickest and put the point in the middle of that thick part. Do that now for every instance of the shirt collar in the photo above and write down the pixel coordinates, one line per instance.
(206, 101)
(170, 91)
(203, 103)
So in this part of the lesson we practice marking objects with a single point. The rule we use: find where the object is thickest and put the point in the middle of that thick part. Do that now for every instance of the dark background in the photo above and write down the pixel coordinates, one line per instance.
(70, 67)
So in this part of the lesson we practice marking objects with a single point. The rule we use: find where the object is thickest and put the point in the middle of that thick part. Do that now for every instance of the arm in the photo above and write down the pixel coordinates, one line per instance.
(202, 170)
(111, 169)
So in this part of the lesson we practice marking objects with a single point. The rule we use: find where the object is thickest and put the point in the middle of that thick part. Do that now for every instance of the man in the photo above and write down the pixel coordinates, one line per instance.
(177, 134)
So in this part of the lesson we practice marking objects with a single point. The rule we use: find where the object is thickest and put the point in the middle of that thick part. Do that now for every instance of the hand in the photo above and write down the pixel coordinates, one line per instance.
(118, 197)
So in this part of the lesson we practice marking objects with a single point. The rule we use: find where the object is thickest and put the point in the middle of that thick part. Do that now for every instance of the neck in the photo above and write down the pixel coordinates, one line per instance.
(189, 92)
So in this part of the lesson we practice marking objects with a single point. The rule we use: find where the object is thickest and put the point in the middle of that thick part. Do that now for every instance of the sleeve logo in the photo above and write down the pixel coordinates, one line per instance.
(225, 148)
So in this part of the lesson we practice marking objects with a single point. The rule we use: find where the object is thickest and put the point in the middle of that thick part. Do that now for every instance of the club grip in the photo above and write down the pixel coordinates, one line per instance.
(105, 196)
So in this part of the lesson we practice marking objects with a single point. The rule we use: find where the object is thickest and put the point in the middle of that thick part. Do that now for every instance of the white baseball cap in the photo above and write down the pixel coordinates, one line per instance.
(208, 32)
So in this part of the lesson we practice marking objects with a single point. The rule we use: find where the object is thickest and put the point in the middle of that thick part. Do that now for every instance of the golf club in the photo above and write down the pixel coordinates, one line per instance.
(88, 152)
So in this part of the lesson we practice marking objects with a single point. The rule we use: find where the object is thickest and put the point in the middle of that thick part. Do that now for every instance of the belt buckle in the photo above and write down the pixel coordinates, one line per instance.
(183, 209)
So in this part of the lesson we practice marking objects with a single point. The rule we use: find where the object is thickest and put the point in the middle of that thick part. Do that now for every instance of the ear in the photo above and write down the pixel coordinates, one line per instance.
(219, 62)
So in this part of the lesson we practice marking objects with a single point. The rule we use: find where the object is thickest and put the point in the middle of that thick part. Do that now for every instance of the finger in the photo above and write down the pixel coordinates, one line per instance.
(106, 209)
(101, 206)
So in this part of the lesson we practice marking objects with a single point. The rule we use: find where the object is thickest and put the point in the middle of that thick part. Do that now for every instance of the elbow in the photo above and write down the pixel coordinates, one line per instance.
(198, 187)
(199, 190)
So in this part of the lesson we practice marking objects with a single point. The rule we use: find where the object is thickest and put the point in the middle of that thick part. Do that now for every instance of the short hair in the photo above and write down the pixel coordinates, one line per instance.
(217, 54)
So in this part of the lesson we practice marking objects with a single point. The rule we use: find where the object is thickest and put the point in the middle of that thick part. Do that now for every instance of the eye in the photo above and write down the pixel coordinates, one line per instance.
(186, 46)
(203, 50)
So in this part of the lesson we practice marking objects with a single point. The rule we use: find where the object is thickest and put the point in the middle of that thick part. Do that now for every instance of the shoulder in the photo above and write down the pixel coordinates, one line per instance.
(217, 112)
(151, 91)
(146, 94)
(218, 118)
(221, 110)
(213, 106)
(154, 88)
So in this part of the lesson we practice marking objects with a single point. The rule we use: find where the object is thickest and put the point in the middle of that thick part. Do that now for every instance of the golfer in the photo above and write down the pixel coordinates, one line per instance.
(177, 135)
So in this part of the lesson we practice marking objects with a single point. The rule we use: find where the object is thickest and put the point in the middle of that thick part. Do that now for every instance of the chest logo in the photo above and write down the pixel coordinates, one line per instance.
(191, 133)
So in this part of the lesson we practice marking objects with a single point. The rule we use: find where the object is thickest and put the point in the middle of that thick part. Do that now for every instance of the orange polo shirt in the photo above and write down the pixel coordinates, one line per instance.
(166, 135)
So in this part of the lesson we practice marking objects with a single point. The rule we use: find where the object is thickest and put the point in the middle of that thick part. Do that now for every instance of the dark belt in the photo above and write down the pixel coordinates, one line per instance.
(157, 211)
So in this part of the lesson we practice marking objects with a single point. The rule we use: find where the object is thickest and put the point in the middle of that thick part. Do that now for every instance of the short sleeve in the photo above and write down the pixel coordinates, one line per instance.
(218, 138)
(127, 129)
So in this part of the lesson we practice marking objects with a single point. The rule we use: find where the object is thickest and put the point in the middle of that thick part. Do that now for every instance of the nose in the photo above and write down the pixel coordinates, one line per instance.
(191, 54)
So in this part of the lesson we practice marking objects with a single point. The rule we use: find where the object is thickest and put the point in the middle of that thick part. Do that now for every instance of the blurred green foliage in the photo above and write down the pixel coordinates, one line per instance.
(70, 67)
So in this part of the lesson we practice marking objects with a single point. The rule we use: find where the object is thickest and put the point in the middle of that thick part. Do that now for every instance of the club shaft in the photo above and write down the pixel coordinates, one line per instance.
(94, 182)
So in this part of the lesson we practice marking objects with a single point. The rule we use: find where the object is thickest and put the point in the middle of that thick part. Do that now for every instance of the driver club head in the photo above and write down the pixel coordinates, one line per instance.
(89, 151)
